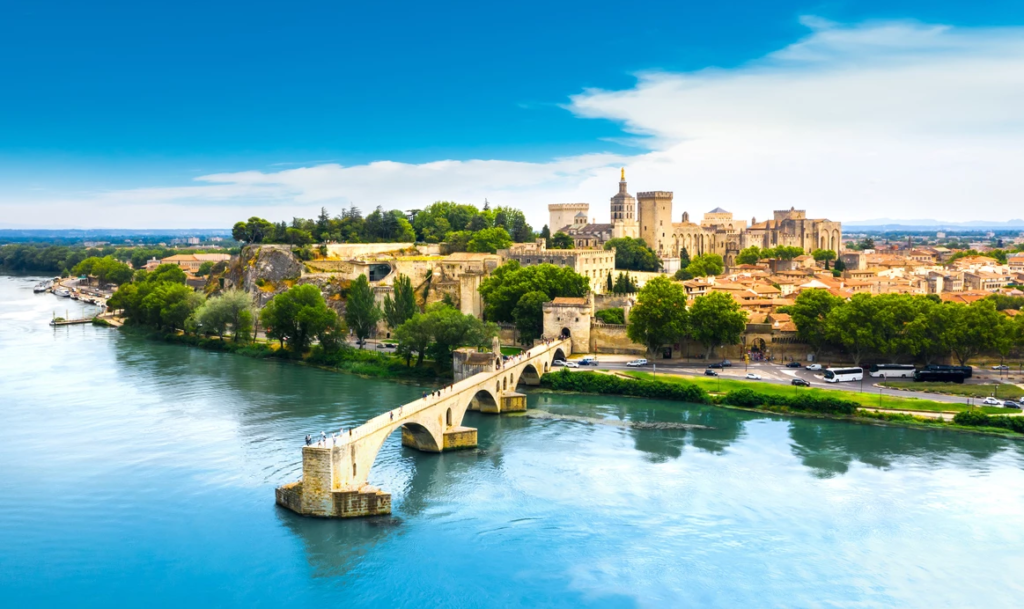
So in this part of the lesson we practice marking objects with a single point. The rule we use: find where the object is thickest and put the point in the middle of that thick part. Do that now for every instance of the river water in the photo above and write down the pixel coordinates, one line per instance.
(138, 472)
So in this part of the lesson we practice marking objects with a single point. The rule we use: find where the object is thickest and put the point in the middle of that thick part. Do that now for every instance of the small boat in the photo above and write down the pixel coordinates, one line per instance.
(41, 287)
(62, 292)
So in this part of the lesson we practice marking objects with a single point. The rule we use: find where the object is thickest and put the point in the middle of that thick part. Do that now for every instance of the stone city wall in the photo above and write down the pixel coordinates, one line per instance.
(608, 338)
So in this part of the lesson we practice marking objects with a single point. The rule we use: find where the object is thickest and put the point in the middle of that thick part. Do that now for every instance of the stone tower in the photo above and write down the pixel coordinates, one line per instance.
(624, 219)
(656, 220)
(564, 214)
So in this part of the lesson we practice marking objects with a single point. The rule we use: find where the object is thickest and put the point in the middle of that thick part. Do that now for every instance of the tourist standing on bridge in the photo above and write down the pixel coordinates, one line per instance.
(309, 439)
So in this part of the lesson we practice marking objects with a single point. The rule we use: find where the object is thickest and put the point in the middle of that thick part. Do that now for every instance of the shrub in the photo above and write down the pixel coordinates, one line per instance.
(974, 418)
(605, 384)
(748, 398)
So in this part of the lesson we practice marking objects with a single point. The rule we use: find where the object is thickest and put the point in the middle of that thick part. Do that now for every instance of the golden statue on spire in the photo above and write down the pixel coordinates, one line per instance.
(622, 177)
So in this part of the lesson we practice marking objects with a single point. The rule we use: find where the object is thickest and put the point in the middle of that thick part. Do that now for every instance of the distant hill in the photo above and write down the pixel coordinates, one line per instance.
(925, 224)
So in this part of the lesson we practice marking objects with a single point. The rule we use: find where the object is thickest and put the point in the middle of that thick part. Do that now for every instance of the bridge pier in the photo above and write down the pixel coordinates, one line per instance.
(334, 477)
(315, 494)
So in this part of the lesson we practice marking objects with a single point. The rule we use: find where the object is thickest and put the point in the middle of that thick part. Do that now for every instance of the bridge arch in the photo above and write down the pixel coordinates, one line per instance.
(559, 354)
(529, 375)
(425, 439)
(483, 400)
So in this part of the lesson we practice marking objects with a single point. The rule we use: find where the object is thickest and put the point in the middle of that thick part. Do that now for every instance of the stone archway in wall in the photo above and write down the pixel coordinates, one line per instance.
(565, 333)
(559, 355)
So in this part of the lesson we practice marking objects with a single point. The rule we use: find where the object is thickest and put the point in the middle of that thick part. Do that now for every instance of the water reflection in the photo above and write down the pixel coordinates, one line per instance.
(829, 447)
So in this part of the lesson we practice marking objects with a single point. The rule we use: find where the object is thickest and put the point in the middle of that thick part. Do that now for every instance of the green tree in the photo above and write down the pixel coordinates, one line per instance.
(513, 221)
(809, 312)
(613, 315)
(660, 315)
(684, 258)
(561, 241)
(824, 256)
(510, 282)
(839, 265)
(458, 241)
(297, 316)
(204, 269)
(976, 328)
(705, 265)
(361, 310)
(783, 252)
(749, 255)
(682, 275)
(169, 305)
(545, 234)
(254, 230)
(402, 307)
(716, 319)
(414, 337)
(233, 308)
(851, 326)
(633, 254)
(106, 269)
(166, 272)
(529, 316)
(490, 240)
(452, 329)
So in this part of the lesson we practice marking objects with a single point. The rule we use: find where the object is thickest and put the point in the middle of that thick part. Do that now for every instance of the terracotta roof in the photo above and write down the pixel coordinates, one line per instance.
(963, 297)
(565, 300)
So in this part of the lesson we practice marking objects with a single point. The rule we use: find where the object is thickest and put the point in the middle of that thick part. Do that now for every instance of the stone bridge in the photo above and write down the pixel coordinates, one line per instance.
(334, 476)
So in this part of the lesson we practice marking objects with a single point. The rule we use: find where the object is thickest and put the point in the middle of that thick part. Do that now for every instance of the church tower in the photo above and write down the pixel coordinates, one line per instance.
(624, 218)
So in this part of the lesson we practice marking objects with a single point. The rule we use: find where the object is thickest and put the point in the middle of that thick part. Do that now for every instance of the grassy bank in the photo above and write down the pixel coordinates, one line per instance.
(866, 399)
(1003, 391)
(347, 359)
(749, 396)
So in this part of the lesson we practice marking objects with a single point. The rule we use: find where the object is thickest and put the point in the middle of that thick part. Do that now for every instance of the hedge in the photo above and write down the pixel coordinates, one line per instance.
(748, 398)
(974, 418)
(591, 382)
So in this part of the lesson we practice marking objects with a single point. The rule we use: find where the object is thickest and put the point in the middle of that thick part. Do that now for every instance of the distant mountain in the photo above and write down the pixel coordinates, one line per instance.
(890, 223)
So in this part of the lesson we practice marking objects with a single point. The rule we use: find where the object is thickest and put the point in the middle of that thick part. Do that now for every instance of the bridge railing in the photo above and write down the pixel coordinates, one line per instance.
(406, 411)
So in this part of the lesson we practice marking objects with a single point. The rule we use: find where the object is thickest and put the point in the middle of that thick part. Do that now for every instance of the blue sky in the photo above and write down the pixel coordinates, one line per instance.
(116, 113)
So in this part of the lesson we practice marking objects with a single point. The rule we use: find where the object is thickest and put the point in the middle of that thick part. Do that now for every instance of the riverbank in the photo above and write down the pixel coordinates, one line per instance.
(804, 403)
(360, 362)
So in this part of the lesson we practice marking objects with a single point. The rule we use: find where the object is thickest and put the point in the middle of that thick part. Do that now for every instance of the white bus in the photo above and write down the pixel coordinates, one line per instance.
(891, 371)
(839, 375)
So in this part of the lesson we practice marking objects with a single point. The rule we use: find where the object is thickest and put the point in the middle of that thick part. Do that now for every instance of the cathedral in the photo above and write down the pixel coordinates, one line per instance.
(648, 216)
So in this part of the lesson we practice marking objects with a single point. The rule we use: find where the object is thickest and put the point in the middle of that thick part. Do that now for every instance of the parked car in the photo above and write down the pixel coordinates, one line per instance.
(390, 346)
(637, 362)
(1001, 367)
(793, 365)
(1011, 404)
(726, 363)
(588, 361)
(571, 365)
(714, 365)
(710, 372)
(753, 377)
(800, 383)
(991, 401)
(558, 362)
(814, 366)
(381, 346)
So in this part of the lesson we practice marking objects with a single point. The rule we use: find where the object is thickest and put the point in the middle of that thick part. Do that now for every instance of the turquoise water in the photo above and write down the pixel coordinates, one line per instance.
(138, 472)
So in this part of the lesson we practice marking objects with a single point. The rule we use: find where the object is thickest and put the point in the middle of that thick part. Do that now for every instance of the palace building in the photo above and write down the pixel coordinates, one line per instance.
(648, 216)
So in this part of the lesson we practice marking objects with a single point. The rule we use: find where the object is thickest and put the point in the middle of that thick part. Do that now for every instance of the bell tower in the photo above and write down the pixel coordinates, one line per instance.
(623, 211)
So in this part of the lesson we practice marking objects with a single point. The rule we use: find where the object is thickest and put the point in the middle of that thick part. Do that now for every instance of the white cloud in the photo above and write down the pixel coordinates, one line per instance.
(890, 119)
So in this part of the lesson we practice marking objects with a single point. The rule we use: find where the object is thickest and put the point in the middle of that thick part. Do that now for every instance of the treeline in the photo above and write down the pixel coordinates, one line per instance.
(62, 259)
(465, 226)
(300, 319)
(900, 327)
